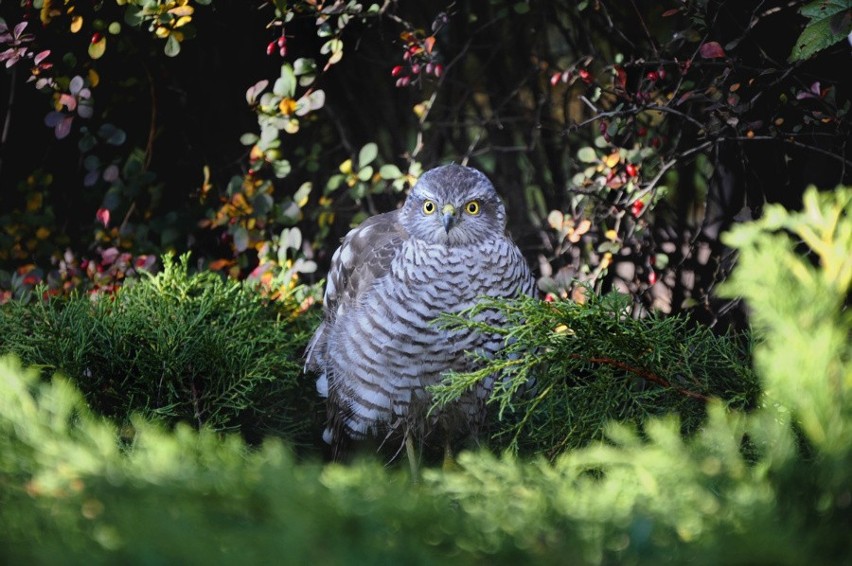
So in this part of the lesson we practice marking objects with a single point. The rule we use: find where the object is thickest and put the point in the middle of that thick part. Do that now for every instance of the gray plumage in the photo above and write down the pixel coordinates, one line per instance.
(378, 347)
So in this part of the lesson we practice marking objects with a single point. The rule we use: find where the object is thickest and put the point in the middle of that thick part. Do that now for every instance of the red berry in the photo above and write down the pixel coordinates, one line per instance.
(396, 71)
(631, 170)
(282, 41)
(652, 277)
(415, 69)
(439, 70)
(585, 75)
(270, 49)
(642, 131)
(653, 76)
(636, 208)
(96, 37)
(554, 79)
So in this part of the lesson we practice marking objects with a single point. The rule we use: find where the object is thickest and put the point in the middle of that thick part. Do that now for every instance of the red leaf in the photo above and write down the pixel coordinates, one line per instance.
(620, 77)
(672, 12)
(711, 50)
(103, 216)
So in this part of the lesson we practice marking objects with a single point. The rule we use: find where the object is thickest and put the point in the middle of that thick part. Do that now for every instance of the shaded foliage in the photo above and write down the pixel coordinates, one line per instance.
(623, 136)
(175, 347)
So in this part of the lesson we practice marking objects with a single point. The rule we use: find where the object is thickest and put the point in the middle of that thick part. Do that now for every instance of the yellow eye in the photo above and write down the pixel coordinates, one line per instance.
(472, 207)
(429, 207)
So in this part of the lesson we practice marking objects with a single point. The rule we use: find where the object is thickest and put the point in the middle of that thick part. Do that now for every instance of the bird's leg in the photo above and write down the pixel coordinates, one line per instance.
(412, 457)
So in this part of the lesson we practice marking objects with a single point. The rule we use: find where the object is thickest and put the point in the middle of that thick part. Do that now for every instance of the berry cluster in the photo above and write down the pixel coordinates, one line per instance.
(280, 44)
(420, 60)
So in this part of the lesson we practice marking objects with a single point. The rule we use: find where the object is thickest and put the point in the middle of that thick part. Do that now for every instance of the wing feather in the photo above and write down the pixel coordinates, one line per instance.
(364, 256)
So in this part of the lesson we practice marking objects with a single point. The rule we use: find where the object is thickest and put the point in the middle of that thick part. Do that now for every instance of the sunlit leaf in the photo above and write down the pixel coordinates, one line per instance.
(285, 85)
(256, 89)
(390, 171)
(367, 154)
(172, 47)
(587, 155)
(366, 173)
(290, 238)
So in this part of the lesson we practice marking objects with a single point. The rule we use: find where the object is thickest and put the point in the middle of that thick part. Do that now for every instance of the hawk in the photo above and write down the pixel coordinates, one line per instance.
(378, 347)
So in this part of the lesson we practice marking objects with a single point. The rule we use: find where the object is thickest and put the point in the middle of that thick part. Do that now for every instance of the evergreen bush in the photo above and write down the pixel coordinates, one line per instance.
(769, 486)
(178, 347)
(569, 368)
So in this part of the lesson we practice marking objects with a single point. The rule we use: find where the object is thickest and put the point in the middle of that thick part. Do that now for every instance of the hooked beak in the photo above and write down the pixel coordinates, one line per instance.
(448, 217)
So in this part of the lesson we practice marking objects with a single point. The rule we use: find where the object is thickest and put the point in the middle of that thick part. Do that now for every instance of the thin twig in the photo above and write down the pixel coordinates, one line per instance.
(641, 372)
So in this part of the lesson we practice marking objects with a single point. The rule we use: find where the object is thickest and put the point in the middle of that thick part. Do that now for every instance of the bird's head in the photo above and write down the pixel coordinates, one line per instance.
(455, 206)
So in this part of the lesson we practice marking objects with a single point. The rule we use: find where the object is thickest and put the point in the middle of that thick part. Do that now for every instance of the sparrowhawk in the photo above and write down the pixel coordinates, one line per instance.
(378, 347)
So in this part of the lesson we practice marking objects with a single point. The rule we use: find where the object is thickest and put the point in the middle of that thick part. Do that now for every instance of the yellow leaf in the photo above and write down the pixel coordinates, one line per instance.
(42, 233)
(94, 78)
(287, 106)
(182, 21)
(162, 32)
(182, 11)
(611, 235)
(346, 167)
(76, 23)
(612, 159)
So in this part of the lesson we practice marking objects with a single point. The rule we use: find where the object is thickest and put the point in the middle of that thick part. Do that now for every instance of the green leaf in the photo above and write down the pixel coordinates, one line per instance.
(365, 173)
(304, 66)
(249, 139)
(285, 85)
(367, 154)
(587, 155)
(282, 168)
(831, 22)
(390, 171)
(172, 46)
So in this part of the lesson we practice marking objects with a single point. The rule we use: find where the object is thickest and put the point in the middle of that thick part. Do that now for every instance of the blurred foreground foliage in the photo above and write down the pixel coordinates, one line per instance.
(175, 347)
(767, 486)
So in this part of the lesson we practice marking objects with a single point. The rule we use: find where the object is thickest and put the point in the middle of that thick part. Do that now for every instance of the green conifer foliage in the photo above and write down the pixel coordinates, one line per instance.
(174, 346)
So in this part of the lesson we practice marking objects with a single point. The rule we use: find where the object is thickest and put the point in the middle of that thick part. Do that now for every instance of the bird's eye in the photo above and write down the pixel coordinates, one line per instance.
(429, 207)
(472, 207)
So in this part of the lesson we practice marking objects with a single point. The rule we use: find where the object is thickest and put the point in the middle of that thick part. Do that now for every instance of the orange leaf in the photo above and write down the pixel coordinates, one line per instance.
(218, 264)
(429, 42)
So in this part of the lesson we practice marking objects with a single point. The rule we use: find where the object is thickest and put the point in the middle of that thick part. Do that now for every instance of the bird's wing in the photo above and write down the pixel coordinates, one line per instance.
(364, 256)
